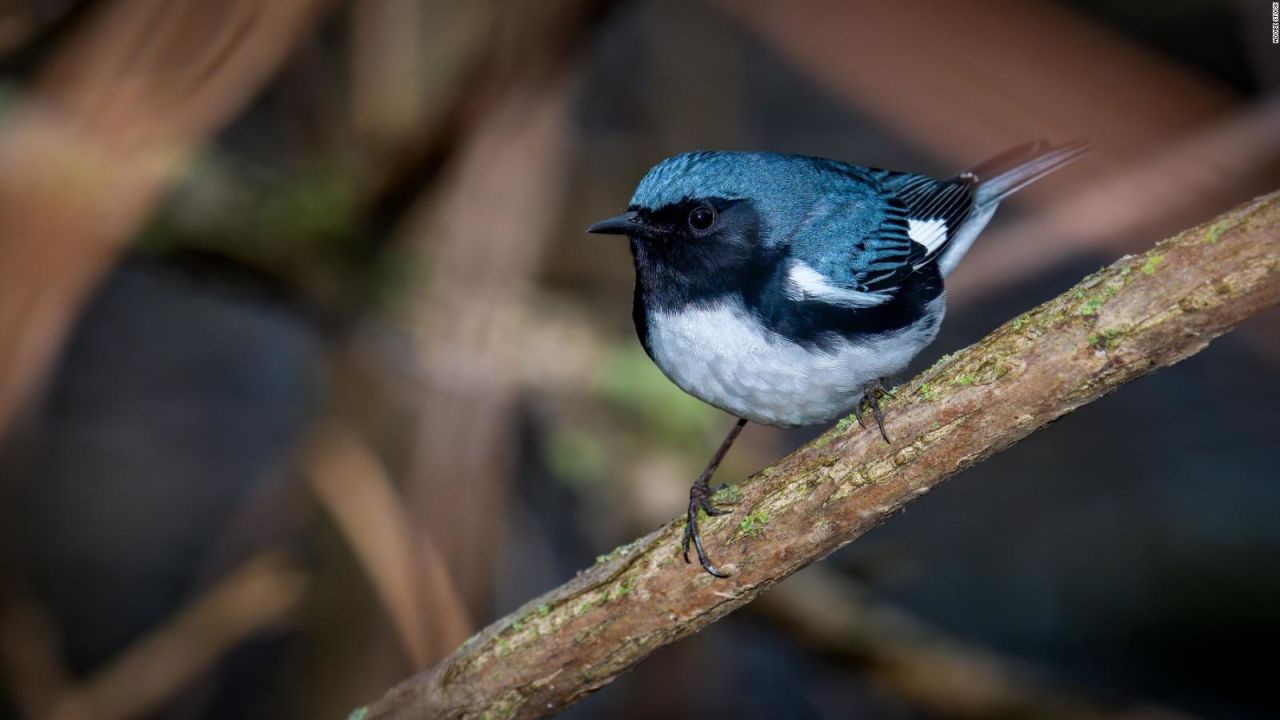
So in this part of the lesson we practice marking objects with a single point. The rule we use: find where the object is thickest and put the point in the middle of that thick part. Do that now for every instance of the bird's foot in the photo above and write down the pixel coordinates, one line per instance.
(700, 499)
(871, 396)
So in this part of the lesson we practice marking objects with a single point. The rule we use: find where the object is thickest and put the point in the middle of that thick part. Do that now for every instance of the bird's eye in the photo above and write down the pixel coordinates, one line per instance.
(702, 218)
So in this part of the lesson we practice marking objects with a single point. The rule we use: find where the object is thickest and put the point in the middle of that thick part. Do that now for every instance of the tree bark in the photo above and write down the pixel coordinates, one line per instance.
(1139, 314)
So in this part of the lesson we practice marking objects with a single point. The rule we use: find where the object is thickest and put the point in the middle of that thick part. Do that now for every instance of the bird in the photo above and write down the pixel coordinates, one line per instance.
(785, 289)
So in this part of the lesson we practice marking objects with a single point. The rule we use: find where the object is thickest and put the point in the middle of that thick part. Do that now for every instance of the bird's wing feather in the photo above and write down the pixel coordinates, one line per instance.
(853, 248)
(871, 230)
(876, 227)
(936, 209)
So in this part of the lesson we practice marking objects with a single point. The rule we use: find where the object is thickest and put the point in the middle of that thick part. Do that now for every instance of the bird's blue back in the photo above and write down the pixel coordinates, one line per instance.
(837, 218)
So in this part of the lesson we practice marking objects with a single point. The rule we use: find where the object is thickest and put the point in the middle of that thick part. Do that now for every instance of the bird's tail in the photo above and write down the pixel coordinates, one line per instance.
(994, 180)
(1018, 167)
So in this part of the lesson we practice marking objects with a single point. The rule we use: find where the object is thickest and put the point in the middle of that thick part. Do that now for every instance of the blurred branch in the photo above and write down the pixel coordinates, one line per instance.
(1004, 71)
(87, 153)
(1139, 314)
(387, 95)
(404, 566)
(24, 26)
(480, 247)
(352, 486)
(526, 47)
(34, 670)
(257, 595)
(476, 238)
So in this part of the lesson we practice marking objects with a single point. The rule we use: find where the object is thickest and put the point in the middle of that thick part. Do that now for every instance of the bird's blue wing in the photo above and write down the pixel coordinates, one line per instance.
(854, 246)
(872, 228)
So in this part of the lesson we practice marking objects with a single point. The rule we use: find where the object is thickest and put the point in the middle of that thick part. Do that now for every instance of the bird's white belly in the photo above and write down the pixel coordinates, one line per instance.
(722, 355)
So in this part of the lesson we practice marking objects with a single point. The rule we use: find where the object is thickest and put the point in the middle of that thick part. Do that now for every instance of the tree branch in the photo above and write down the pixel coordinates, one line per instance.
(1140, 314)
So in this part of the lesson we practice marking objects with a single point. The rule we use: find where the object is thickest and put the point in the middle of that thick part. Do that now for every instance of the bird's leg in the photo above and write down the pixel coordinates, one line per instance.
(700, 499)
(871, 397)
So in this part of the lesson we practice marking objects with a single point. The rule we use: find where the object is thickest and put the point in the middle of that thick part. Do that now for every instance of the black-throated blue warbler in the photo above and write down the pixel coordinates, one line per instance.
(783, 288)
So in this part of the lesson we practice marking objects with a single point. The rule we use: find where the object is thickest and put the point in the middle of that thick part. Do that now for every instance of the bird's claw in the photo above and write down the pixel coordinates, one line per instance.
(871, 397)
(700, 499)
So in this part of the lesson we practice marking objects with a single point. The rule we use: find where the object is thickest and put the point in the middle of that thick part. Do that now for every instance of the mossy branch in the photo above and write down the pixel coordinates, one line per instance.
(1140, 314)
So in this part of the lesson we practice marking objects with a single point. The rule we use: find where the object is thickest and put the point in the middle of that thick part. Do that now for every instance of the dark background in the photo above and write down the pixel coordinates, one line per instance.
(354, 383)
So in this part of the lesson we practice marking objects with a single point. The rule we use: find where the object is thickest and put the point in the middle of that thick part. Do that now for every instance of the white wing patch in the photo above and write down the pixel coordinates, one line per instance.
(929, 233)
(805, 283)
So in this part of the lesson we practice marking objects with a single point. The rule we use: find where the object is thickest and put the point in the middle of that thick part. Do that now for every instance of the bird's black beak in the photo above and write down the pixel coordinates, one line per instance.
(628, 223)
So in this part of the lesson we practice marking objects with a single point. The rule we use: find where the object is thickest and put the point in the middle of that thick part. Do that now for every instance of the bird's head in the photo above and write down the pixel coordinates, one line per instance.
(703, 214)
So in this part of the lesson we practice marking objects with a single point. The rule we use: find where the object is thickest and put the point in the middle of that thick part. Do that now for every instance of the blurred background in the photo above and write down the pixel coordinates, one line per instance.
(308, 371)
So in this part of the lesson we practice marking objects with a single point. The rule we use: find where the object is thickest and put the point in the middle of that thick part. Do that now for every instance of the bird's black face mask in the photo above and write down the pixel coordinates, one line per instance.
(694, 249)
